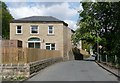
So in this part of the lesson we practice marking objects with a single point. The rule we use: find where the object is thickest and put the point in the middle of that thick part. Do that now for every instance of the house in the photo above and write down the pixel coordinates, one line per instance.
(43, 32)
(79, 44)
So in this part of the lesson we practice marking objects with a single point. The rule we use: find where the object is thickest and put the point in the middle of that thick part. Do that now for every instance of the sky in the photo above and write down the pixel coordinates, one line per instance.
(65, 11)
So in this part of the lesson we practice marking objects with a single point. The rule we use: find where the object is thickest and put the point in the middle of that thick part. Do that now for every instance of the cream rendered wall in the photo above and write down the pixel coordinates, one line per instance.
(70, 54)
(57, 38)
(67, 33)
(65, 38)
(61, 37)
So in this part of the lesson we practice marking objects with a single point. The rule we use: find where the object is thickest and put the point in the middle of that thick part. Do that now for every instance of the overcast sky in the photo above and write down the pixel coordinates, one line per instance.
(66, 11)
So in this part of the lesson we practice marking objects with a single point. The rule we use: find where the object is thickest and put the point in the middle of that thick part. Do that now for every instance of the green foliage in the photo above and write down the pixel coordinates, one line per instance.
(100, 23)
(6, 18)
(86, 45)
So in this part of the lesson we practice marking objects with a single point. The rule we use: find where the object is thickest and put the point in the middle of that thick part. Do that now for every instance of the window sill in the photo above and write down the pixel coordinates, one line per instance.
(18, 34)
(50, 34)
(34, 34)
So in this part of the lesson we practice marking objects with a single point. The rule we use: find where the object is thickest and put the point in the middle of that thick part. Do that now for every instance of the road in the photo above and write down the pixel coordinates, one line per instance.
(74, 71)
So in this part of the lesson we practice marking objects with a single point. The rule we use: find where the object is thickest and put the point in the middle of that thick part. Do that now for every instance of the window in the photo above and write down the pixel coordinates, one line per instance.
(19, 29)
(34, 43)
(50, 46)
(31, 45)
(50, 30)
(34, 29)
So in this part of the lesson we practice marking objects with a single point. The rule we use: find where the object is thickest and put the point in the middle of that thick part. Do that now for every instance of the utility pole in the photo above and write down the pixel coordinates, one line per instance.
(97, 47)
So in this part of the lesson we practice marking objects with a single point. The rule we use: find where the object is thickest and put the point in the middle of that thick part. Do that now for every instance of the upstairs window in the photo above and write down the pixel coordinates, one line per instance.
(34, 29)
(50, 30)
(18, 29)
(50, 46)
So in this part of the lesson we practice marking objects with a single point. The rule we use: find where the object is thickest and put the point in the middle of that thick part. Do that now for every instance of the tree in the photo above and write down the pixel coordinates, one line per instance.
(6, 18)
(100, 23)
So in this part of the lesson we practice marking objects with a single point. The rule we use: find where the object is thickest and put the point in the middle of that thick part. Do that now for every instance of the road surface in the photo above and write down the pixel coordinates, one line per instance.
(74, 71)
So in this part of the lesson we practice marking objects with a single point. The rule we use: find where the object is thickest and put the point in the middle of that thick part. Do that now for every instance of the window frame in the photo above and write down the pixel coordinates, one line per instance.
(52, 29)
(50, 44)
(20, 29)
(34, 42)
(46, 46)
(32, 27)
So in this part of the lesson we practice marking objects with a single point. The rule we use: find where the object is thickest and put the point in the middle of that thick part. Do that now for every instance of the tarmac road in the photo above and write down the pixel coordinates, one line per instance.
(74, 71)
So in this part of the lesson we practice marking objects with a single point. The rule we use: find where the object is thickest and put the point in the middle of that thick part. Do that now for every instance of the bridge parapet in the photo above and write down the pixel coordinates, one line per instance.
(23, 71)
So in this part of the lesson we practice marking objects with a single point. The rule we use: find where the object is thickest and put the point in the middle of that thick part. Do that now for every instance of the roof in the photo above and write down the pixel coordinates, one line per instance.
(38, 19)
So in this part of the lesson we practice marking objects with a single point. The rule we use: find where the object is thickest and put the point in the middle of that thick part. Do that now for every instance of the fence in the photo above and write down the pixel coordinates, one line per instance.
(111, 60)
(19, 63)
(12, 55)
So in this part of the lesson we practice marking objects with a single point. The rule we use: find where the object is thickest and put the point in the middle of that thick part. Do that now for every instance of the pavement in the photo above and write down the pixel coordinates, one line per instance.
(112, 70)
(74, 71)
(91, 58)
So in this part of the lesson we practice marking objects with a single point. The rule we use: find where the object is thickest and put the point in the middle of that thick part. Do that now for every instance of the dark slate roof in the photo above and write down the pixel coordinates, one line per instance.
(38, 19)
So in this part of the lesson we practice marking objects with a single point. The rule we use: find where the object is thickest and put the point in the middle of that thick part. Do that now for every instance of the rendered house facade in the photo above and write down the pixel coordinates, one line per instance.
(44, 32)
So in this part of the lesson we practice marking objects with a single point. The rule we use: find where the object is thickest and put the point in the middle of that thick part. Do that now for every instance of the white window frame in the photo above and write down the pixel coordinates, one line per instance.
(31, 29)
(50, 45)
(34, 43)
(52, 29)
(17, 29)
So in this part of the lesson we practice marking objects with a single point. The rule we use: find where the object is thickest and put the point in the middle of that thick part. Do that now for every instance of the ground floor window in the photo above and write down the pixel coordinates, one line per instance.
(50, 46)
(34, 43)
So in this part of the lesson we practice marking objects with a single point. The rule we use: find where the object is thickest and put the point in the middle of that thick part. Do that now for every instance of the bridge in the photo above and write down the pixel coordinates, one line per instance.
(74, 70)
(43, 67)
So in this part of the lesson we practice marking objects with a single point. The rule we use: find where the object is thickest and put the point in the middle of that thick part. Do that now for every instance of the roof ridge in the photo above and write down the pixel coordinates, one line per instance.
(37, 16)
(39, 19)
